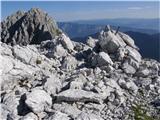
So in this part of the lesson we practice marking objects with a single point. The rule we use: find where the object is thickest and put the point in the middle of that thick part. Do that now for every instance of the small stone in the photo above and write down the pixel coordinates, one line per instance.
(53, 85)
(85, 116)
(66, 42)
(128, 68)
(132, 86)
(143, 73)
(76, 85)
(91, 42)
(58, 52)
(107, 68)
(67, 108)
(69, 63)
(102, 59)
(97, 70)
(121, 53)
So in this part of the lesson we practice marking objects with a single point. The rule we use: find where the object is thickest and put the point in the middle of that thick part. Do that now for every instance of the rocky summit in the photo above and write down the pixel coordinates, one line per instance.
(30, 27)
(46, 76)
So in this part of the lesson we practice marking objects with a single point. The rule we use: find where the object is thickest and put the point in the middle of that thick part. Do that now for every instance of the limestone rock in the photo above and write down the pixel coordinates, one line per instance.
(38, 100)
(66, 42)
(85, 116)
(26, 54)
(75, 95)
(105, 58)
(59, 116)
(128, 68)
(58, 52)
(130, 85)
(109, 42)
(70, 110)
(102, 59)
(121, 53)
(113, 84)
(12, 103)
(76, 85)
(53, 85)
(128, 40)
(29, 116)
(143, 73)
(4, 112)
(29, 27)
(69, 63)
(91, 42)
(134, 54)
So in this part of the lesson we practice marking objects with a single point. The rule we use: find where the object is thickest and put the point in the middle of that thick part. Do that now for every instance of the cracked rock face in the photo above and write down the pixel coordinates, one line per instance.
(55, 78)
(30, 27)
(74, 95)
(38, 100)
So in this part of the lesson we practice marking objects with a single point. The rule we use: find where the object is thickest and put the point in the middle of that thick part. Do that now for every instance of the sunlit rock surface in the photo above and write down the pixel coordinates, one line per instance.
(48, 76)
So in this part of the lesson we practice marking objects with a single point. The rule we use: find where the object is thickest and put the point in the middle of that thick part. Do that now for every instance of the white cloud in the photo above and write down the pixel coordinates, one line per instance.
(135, 8)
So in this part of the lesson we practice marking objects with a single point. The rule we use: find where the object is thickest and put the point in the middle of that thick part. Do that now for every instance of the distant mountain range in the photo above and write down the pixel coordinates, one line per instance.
(149, 44)
(148, 40)
(81, 30)
(152, 24)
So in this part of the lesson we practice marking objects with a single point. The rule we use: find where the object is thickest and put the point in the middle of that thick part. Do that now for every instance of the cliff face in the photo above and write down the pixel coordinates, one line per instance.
(59, 79)
(30, 27)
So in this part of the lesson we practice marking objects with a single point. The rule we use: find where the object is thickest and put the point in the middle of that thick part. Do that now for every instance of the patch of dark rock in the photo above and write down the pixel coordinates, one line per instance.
(22, 108)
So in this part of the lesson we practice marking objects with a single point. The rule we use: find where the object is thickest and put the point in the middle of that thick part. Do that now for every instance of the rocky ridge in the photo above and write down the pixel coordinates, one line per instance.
(30, 27)
(59, 79)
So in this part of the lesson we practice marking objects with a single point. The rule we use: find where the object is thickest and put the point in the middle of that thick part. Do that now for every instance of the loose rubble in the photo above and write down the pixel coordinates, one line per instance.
(54, 78)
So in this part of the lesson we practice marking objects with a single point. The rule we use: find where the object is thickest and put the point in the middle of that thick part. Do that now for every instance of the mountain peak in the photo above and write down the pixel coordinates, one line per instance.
(29, 27)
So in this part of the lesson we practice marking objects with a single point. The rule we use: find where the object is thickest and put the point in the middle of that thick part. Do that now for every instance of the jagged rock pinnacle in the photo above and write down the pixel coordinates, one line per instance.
(30, 27)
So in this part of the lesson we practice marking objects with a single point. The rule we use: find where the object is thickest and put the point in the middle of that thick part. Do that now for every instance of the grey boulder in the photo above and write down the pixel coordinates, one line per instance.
(133, 53)
(75, 95)
(143, 73)
(29, 116)
(26, 54)
(69, 63)
(128, 68)
(91, 42)
(102, 59)
(66, 42)
(109, 42)
(59, 116)
(38, 100)
(128, 40)
(52, 85)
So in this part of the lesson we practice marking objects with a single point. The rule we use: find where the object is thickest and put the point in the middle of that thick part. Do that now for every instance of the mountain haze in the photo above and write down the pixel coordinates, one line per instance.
(152, 24)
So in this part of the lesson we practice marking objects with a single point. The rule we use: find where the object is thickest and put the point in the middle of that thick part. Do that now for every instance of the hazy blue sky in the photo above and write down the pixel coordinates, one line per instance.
(68, 11)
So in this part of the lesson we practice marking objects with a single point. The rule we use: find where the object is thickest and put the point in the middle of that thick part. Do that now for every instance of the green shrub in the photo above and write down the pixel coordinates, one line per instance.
(58, 32)
(140, 113)
(38, 61)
